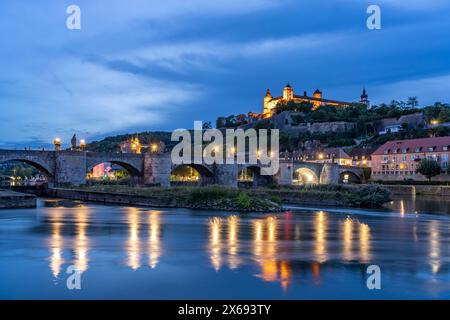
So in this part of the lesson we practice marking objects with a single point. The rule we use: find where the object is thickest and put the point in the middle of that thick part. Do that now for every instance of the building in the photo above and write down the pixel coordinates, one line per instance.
(362, 157)
(398, 160)
(334, 155)
(323, 155)
(393, 125)
(316, 100)
(100, 170)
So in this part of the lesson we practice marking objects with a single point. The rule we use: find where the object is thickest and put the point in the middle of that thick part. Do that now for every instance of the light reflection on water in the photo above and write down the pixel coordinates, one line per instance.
(296, 254)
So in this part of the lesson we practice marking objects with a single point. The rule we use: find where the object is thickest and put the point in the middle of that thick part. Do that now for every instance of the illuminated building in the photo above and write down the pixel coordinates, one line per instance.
(316, 100)
(397, 160)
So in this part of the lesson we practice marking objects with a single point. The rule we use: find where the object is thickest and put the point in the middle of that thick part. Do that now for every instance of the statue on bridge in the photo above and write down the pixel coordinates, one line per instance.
(73, 142)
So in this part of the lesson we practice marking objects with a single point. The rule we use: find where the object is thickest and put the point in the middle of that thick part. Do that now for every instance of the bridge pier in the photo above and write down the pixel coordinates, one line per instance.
(70, 168)
(157, 169)
(226, 175)
(285, 173)
(329, 174)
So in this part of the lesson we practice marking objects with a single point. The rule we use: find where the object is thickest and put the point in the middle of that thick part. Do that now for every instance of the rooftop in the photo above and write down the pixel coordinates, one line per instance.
(410, 146)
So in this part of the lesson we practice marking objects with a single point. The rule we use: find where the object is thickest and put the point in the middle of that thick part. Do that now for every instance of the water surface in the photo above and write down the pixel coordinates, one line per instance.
(141, 253)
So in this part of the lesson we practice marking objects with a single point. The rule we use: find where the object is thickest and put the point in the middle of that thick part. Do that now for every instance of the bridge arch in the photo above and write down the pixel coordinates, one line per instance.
(132, 163)
(349, 176)
(133, 171)
(251, 175)
(35, 163)
(305, 175)
(204, 174)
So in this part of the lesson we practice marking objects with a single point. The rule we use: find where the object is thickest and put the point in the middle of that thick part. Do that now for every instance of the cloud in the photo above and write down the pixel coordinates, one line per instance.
(404, 5)
(76, 96)
(429, 90)
(183, 57)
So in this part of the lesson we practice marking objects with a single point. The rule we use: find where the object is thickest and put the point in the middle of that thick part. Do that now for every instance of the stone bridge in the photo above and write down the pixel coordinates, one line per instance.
(70, 167)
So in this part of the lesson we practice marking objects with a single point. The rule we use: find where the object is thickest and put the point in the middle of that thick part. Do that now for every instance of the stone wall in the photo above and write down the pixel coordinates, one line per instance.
(284, 121)
(403, 177)
(443, 191)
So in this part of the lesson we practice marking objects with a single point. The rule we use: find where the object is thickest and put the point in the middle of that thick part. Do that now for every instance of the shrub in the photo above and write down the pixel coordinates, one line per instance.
(244, 200)
(369, 196)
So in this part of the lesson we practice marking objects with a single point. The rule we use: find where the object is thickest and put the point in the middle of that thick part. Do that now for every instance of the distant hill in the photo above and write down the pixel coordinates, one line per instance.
(112, 144)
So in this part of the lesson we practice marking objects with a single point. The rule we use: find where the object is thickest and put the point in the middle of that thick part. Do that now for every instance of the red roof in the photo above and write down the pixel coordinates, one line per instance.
(410, 146)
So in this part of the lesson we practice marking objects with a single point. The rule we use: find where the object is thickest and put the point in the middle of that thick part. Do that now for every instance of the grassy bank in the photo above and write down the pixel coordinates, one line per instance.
(210, 197)
(261, 199)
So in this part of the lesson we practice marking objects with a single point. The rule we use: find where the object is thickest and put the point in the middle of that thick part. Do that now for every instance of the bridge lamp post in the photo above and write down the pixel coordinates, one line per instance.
(82, 144)
(154, 148)
(57, 143)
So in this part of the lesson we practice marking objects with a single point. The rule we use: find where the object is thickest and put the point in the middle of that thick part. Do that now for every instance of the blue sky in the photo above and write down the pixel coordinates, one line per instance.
(159, 65)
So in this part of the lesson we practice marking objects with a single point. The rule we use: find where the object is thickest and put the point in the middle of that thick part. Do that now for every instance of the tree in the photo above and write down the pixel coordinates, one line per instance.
(207, 125)
(429, 168)
(412, 102)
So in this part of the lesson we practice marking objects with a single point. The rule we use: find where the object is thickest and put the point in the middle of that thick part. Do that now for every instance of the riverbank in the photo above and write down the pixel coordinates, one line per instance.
(207, 198)
(11, 200)
(221, 198)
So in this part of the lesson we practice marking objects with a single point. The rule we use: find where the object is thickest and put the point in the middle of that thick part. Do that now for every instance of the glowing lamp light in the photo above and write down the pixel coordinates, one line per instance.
(82, 143)
(57, 143)
(434, 122)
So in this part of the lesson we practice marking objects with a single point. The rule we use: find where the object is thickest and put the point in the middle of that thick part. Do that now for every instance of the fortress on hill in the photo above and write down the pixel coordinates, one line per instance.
(316, 100)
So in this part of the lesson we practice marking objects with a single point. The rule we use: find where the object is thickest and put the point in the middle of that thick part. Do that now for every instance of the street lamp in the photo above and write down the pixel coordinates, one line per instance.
(434, 122)
(57, 143)
(82, 144)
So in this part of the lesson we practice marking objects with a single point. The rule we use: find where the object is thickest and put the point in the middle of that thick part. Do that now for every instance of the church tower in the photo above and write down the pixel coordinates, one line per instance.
(365, 98)
(317, 94)
(267, 98)
(288, 92)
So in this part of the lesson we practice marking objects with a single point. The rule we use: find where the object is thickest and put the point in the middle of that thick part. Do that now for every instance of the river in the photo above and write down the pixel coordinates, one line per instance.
(303, 253)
